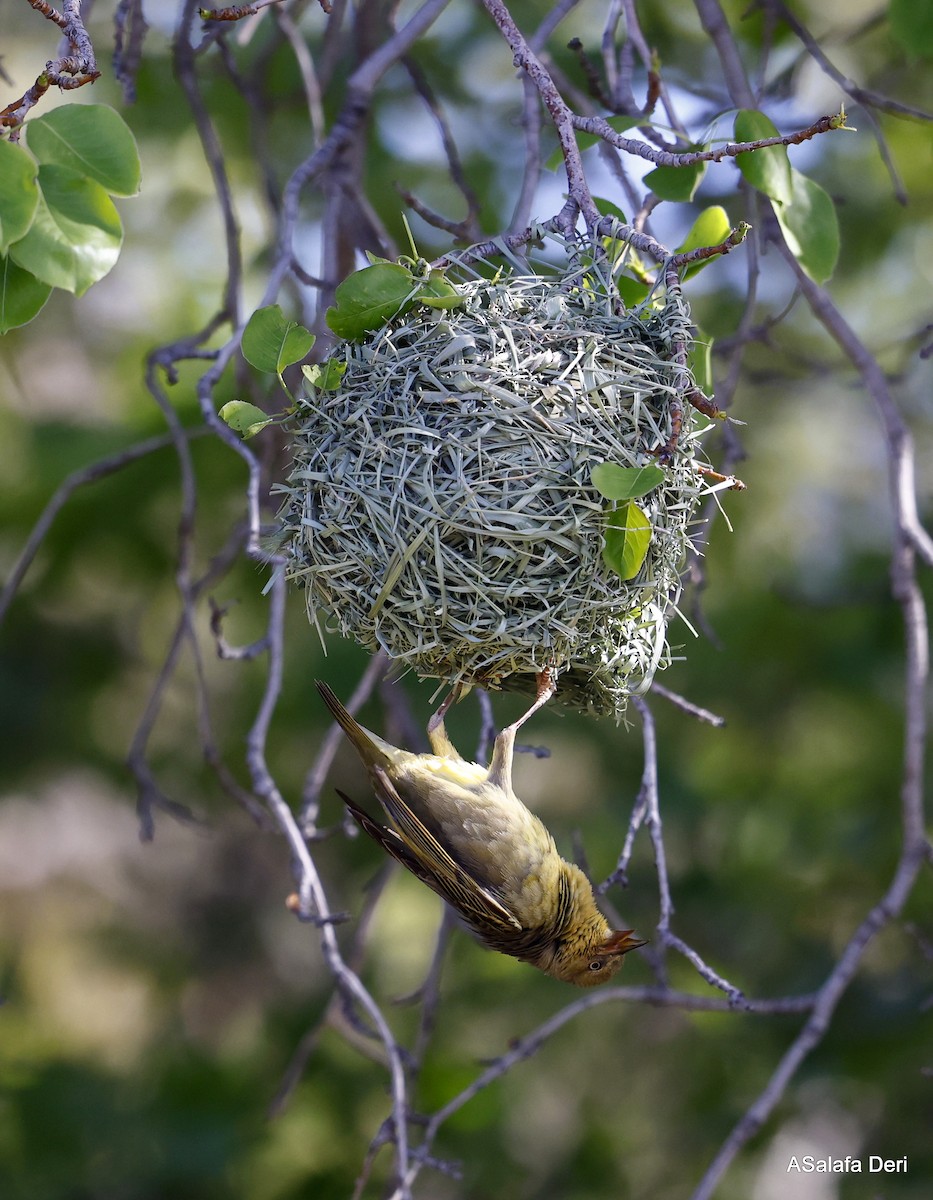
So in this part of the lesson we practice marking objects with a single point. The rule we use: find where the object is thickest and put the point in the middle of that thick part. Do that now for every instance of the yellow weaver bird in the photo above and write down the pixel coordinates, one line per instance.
(461, 829)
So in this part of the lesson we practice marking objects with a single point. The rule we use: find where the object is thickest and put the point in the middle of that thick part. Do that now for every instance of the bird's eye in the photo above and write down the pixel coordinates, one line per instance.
(596, 964)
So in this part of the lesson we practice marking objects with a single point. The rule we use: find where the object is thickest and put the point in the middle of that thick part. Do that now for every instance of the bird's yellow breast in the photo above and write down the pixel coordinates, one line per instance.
(454, 770)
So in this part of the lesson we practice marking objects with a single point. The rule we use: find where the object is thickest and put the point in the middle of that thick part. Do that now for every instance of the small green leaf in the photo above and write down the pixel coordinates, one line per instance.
(767, 169)
(911, 23)
(369, 298)
(676, 183)
(811, 227)
(326, 376)
(19, 193)
(92, 139)
(21, 295)
(625, 483)
(627, 537)
(608, 209)
(631, 291)
(244, 419)
(439, 292)
(75, 236)
(298, 341)
(272, 342)
(711, 228)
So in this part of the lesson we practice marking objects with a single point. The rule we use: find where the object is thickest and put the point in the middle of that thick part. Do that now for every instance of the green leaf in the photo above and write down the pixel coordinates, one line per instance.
(245, 419)
(92, 139)
(767, 169)
(700, 361)
(631, 291)
(439, 292)
(21, 295)
(298, 341)
(19, 193)
(711, 228)
(676, 183)
(911, 24)
(76, 234)
(585, 140)
(369, 298)
(627, 537)
(326, 376)
(625, 483)
(811, 227)
(272, 342)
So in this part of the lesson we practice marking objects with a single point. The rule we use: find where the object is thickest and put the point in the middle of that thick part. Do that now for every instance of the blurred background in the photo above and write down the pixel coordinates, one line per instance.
(156, 992)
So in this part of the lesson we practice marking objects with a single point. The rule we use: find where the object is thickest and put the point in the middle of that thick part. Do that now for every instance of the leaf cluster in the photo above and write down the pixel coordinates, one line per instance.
(59, 227)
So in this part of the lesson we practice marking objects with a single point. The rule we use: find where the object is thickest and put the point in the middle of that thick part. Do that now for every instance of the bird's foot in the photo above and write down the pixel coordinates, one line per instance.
(547, 686)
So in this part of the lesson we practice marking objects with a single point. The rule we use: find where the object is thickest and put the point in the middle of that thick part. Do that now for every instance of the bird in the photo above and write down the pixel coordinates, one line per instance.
(459, 828)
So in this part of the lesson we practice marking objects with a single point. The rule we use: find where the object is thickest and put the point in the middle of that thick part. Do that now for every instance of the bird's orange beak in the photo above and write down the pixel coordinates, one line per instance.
(623, 940)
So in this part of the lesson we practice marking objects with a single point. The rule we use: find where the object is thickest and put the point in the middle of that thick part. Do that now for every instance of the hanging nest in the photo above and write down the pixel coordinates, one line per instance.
(441, 508)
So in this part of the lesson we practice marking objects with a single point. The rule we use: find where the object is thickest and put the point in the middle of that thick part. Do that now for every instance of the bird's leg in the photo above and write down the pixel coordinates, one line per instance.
(437, 720)
(547, 686)
(500, 769)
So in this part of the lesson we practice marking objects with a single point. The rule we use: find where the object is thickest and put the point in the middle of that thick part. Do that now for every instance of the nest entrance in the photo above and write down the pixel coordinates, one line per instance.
(440, 506)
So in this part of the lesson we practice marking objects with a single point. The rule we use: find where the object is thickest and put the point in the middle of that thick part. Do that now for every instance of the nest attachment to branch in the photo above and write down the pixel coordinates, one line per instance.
(440, 506)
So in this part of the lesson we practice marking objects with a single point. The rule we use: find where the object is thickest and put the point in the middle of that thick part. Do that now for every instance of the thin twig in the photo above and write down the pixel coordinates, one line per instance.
(816, 1026)
(63, 493)
(130, 30)
(312, 897)
(306, 1047)
(526, 1047)
(333, 739)
(695, 710)
(870, 99)
(73, 69)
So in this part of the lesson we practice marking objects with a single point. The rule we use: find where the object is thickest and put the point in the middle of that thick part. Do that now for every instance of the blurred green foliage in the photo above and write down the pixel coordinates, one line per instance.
(154, 994)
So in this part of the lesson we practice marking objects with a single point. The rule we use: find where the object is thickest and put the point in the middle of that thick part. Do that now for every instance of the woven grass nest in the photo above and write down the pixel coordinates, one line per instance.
(441, 508)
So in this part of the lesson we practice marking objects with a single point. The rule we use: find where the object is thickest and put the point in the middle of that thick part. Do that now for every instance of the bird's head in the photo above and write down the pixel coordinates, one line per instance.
(589, 961)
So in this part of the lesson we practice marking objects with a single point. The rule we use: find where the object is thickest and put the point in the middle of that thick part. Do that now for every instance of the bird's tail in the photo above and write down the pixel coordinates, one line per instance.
(371, 749)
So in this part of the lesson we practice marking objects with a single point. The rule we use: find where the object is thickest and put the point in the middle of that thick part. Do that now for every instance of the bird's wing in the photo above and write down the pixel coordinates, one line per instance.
(413, 845)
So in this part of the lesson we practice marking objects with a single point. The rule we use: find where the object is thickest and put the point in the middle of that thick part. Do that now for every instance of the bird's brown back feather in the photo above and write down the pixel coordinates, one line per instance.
(416, 848)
